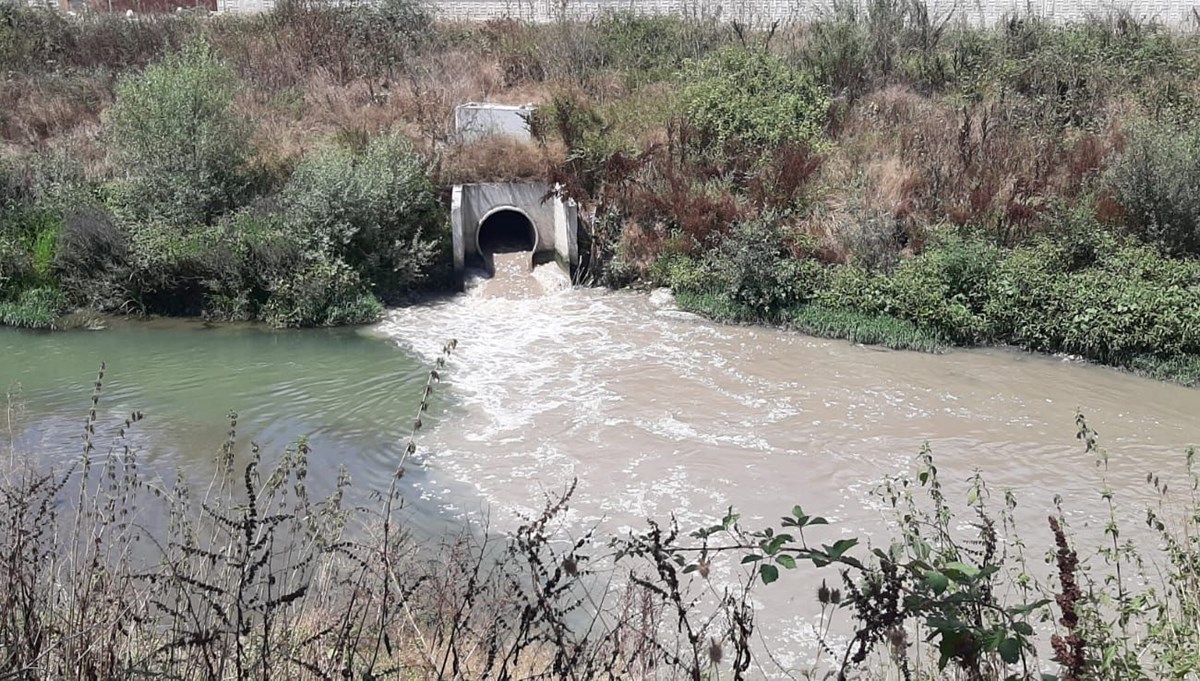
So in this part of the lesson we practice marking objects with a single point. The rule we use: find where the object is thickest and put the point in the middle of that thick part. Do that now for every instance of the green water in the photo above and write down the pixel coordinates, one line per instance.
(349, 393)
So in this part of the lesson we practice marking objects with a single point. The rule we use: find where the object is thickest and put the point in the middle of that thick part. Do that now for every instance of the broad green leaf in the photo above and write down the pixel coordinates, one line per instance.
(937, 581)
(955, 569)
(768, 572)
(1010, 650)
(1027, 608)
(839, 547)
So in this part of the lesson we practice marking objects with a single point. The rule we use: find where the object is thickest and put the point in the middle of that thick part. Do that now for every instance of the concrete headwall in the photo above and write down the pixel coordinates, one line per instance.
(566, 235)
(554, 221)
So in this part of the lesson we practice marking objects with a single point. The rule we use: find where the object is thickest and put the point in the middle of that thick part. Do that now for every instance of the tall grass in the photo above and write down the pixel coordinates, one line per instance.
(856, 327)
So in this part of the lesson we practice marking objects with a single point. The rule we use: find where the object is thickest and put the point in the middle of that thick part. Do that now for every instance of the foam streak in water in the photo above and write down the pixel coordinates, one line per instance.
(658, 413)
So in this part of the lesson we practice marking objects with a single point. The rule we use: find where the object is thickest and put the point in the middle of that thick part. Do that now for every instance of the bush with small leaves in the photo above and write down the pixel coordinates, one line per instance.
(375, 210)
(175, 141)
(1157, 182)
(750, 97)
(755, 266)
(322, 294)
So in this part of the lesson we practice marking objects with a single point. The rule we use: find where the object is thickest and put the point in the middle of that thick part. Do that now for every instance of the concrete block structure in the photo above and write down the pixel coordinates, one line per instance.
(504, 217)
(475, 120)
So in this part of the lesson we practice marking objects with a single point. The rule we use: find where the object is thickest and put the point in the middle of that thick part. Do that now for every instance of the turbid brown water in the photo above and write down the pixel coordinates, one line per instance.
(655, 411)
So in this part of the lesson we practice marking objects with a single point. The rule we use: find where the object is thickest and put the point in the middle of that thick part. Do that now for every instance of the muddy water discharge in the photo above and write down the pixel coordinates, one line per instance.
(657, 412)
(654, 411)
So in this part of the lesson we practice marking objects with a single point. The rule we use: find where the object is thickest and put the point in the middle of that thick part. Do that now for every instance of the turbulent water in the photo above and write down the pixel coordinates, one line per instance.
(654, 411)
(657, 412)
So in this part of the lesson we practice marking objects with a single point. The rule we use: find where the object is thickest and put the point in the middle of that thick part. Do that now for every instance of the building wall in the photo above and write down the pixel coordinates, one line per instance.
(1176, 12)
(146, 6)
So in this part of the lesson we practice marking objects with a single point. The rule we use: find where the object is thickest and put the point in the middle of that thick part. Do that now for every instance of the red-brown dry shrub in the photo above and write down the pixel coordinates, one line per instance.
(986, 164)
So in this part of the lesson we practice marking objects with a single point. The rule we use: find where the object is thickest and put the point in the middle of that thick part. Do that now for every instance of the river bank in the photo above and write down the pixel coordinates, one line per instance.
(1120, 305)
(643, 412)
(831, 173)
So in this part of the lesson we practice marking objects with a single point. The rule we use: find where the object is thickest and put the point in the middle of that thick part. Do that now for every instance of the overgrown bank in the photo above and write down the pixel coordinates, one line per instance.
(1095, 295)
(882, 174)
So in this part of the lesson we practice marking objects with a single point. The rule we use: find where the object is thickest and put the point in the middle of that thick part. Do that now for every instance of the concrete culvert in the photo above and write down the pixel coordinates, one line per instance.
(506, 230)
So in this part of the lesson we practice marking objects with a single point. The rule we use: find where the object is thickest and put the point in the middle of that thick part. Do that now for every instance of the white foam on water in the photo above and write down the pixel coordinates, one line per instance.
(658, 413)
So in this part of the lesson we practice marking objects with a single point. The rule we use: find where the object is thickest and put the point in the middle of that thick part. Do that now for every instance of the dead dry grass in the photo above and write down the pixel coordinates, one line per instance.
(926, 160)
(498, 159)
(36, 110)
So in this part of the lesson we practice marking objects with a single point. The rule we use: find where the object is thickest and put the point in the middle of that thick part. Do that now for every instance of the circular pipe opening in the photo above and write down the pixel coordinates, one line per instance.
(505, 230)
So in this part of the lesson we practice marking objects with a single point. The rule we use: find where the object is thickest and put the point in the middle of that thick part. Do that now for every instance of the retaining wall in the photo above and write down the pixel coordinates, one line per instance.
(1174, 12)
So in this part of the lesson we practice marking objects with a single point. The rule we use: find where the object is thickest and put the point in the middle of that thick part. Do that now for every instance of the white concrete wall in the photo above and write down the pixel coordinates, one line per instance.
(475, 120)
(1176, 12)
(974, 11)
(566, 234)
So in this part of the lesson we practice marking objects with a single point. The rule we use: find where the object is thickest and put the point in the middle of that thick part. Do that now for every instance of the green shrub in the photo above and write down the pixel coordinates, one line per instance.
(30, 35)
(15, 266)
(34, 189)
(1157, 182)
(750, 97)
(170, 268)
(1132, 303)
(850, 287)
(647, 48)
(35, 308)
(179, 148)
(945, 289)
(856, 44)
(929, 291)
(372, 40)
(27, 241)
(322, 294)
(754, 267)
(680, 272)
(836, 50)
(919, 292)
(375, 210)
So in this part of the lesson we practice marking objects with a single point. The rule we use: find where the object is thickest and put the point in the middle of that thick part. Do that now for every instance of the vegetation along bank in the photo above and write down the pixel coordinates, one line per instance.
(882, 175)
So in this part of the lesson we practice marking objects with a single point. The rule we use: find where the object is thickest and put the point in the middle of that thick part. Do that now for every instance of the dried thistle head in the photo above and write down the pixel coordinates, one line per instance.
(823, 593)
